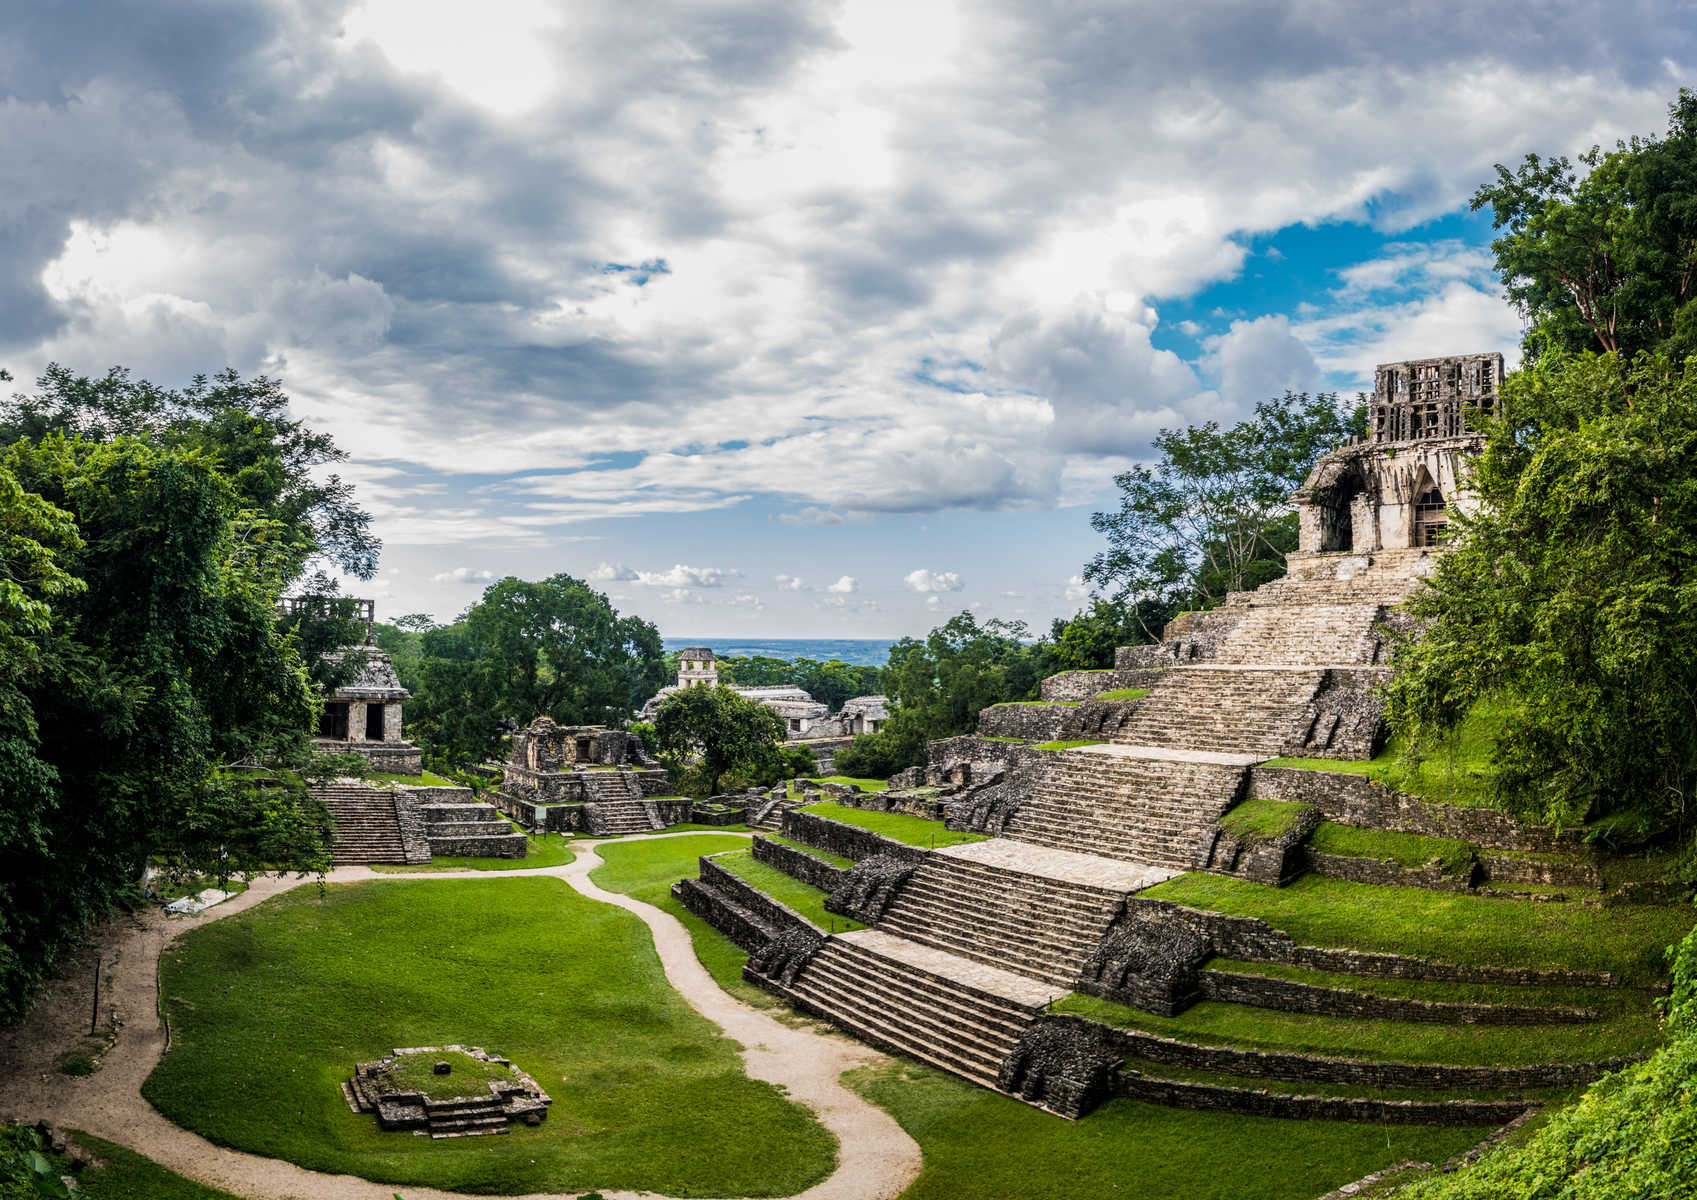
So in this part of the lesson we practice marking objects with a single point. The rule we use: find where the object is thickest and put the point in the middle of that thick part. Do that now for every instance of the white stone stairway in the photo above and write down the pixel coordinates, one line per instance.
(960, 1016)
(1097, 800)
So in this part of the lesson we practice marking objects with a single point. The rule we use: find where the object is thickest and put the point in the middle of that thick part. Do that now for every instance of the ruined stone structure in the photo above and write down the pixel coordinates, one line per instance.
(364, 717)
(1395, 489)
(455, 1106)
(805, 719)
(585, 778)
(968, 943)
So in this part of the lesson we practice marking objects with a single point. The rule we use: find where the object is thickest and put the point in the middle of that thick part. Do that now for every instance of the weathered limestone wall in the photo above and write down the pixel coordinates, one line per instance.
(1356, 800)
(1083, 685)
(798, 864)
(1027, 722)
(850, 841)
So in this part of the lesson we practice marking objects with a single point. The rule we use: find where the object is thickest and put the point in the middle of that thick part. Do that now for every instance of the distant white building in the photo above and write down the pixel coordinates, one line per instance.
(804, 717)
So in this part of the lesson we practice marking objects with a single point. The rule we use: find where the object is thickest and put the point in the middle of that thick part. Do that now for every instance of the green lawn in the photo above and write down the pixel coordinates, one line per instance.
(1216, 1024)
(1262, 820)
(1059, 745)
(544, 850)
(804, 898)
(1457, 771)
(865, 785)
(982, 1146)
(423, 779)
(1629, 939)
(271, 1008)
(900, 827)
(126, 1175)
(1123, 694)
(646, 870)
(836, 860)
(1388, 845)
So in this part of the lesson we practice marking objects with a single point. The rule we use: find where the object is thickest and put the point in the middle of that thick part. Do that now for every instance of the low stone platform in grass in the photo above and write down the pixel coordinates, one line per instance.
(445, 1092)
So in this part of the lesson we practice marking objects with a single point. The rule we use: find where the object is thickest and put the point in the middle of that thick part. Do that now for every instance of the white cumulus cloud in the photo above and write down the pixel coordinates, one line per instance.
(463, 575)
(925, 581)
(843, 586)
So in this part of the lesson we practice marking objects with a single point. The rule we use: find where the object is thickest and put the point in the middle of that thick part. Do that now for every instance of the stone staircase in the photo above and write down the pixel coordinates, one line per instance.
(477, 1117)
(1143, 810)
(617, 818)
(611, 786)
(1383, 577)
(366, 823)
(468, 828)
(942, 1010)
(1026, 924)
(771, 815)
(1299, 635)
(1229, 710)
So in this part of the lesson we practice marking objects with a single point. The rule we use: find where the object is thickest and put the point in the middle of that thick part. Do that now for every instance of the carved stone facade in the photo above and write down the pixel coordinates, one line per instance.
(364, 716)
(1396, 489)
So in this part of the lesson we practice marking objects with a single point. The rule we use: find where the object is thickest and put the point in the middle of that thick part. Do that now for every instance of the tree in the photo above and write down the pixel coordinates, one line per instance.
(1213, 515)
(554, 648)
(272, 462)
(1570, 599)
(146, 681)
(719, 729)
(1087, 640)
(1607, 262)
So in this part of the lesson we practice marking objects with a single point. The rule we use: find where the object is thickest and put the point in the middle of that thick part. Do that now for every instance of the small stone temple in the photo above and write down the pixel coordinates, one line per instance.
(364, 715)
(585, 778)
(1395, 488)
(804, 717)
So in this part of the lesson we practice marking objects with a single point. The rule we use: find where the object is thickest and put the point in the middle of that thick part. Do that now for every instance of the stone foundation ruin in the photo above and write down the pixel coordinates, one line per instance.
(585, 779)
(467, 1092)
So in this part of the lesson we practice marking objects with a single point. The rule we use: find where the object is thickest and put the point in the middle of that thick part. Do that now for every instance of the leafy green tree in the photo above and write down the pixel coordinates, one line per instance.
(720, 730)
(1607, 262)
(157, 672)
(1213, 514)
(554, 648)
(1087, 640)
(1571, 598)
(273, 463)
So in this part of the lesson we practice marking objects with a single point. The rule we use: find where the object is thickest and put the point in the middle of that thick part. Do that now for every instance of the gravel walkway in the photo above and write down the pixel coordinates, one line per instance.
(876, 1158)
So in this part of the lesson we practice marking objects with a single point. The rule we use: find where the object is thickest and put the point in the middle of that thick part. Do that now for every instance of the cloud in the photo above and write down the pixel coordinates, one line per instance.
(924, 581)
(789, 583)
(844, 585)
(1076, 589)
(678, 576)
(613, 260)
(1260, 359)
(463, 575)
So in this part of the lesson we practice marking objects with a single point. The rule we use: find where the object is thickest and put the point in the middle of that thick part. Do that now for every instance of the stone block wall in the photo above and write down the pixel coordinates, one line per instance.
(1312, 1068)
(1289, 995)
(1206, 1097)
(850, 841)
(1356, 800)
(1084, 685)
(1028, 722)
(981, 756)
(777, 915)
(798, 864)
(1389, 874)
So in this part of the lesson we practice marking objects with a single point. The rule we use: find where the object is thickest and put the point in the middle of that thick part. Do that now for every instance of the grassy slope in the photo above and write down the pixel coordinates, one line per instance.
(271, 1008)
(807, 900)
(1388, 845)
(544, 850)
(1260, 819)
(1458, 771)
(1213, 1023)
(914, 831)
(981, 1146)
(1122, 694)
(646, 871)
(1629, 940)
(126, 1175)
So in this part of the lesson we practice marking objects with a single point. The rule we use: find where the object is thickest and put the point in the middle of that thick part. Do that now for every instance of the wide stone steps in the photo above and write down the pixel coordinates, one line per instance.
(616, 818)
(1301, 635)
(1133, 809)
(1239, 710)
(935, 1019)
(1027, 924)
(366, 828)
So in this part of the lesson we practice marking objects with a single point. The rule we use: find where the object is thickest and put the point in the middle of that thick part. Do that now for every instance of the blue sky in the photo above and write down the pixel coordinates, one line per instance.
(776, 317)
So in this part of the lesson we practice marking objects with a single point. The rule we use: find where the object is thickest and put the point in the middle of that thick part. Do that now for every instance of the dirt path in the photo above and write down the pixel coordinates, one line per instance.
(876, 1161)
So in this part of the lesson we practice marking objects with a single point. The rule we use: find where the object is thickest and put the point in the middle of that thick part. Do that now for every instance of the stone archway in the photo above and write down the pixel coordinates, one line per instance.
(1431, 510)
(1342, 502)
